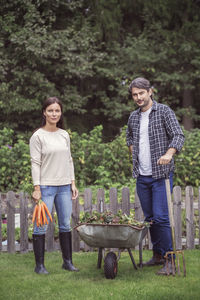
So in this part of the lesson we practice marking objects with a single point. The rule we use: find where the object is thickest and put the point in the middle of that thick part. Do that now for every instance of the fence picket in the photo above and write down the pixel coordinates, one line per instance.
(49, 237)
(125, 200)
(113, 200)
(189, 217)
(177, 216)
(101, 200)
(11, 222)
(23, 222)
(9, 205)
(75, 219)
(87, 208)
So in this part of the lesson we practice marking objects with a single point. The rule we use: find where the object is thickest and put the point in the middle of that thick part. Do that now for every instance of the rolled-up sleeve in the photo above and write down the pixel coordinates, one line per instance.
(129, 136)
(174, 131)
(35, 153)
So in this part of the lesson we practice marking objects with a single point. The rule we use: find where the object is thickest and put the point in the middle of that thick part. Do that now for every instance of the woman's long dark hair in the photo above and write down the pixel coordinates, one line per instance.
(47, 102)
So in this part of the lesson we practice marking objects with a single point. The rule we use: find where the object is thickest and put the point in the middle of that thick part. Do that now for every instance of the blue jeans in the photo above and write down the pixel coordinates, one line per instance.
(62, 197)
(153, 199)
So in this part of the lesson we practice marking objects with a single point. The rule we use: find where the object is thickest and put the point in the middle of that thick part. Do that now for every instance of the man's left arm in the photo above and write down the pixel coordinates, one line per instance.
(176, 137)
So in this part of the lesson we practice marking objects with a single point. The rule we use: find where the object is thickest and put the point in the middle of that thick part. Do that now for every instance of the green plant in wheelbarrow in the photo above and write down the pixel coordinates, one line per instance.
(107, 230)
(108, 217)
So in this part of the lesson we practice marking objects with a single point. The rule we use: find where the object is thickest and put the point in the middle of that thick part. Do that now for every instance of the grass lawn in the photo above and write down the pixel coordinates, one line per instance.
(18, 281)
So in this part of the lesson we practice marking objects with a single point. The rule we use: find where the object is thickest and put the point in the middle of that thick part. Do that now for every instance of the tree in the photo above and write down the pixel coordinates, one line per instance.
(87, 52)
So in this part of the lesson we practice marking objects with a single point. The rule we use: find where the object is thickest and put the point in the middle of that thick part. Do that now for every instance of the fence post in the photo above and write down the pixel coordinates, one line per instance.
(189, 217)
(113, 200)
(177, 216)
(126, 201)
(0, 225)
(75, 219)
(10, 222)
(23, 222)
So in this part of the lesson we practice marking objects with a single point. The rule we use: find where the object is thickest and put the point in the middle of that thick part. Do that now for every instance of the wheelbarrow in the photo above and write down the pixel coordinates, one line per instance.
(109, 236)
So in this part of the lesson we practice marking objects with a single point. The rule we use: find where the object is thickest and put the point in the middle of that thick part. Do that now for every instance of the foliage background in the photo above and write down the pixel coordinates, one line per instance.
(87, 52)
(97, 163)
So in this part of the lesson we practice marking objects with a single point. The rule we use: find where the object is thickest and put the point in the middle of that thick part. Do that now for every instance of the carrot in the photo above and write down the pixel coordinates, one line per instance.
(35, 213)
(47, 211)
(39, 214)
(44, 215)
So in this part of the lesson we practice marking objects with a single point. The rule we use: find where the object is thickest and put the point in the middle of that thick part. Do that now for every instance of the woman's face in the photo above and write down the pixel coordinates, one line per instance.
(53, 114)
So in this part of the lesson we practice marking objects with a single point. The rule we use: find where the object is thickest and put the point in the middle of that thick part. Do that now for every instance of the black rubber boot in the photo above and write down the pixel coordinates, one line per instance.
(38, 248)
(66, 248)
(156, 259)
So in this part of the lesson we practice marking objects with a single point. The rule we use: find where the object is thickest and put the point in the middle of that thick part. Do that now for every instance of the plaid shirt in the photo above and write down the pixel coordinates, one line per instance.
(164, 133)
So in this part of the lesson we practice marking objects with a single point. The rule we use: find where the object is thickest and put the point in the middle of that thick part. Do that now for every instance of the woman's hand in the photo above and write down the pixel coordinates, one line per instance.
(74, 191)
(36, 195)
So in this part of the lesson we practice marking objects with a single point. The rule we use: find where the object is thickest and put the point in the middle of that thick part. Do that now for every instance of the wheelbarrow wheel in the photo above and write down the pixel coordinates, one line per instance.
(110, 265)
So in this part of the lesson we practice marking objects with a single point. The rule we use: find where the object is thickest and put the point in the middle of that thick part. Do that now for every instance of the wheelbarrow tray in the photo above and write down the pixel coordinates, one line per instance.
(111, 235)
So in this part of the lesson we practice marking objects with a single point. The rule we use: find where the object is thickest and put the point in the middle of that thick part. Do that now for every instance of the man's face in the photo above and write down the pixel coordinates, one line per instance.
(142, 98)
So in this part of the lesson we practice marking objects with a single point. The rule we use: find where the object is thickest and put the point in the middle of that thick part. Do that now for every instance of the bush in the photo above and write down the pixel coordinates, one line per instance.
(97, 164)
(188, 160)
(15, 169)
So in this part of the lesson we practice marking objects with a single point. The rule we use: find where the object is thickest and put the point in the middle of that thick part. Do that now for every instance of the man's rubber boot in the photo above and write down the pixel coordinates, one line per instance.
(38, 248)
(167, 269)
(66, 248)
(156, 260)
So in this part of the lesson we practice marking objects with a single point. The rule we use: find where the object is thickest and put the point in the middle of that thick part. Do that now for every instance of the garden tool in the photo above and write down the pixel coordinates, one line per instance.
(171, 255)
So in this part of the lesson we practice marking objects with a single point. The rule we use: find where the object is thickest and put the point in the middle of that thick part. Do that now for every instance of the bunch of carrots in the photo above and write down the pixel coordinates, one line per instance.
(39, 214)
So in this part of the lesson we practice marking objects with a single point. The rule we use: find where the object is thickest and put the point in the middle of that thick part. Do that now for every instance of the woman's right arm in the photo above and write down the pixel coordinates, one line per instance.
(35, 152)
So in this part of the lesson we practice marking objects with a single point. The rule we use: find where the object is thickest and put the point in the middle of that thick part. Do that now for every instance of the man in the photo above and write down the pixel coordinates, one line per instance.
(153, 137)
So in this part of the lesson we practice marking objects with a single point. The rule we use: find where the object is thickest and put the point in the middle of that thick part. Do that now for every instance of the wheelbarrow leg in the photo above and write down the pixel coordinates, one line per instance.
(132, 259)
(99, 258)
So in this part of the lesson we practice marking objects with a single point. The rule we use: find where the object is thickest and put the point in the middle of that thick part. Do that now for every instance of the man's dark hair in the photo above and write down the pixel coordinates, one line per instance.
(140, 83)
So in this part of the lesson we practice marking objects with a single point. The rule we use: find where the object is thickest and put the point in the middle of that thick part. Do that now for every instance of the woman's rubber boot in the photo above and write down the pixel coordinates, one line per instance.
(66, 248)
(38, 248)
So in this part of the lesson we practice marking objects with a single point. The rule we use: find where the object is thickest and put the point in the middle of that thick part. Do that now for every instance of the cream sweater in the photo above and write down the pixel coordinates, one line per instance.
(51, 159)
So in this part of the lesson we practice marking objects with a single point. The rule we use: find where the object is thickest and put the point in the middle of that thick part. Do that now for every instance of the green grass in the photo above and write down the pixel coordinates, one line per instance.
(18, 281)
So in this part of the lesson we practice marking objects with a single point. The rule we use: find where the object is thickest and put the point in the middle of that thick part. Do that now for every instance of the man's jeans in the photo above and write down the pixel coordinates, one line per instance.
(153, 199)
(62, 197)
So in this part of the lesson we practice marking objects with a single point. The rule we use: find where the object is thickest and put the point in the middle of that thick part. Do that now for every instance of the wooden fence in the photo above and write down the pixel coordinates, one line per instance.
(12, 204)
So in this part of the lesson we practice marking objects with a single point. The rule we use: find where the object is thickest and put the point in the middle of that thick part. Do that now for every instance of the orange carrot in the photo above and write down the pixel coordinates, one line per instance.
(35, 213)
(41, 219)
(44, 215)
(39, 214)
(47, 211)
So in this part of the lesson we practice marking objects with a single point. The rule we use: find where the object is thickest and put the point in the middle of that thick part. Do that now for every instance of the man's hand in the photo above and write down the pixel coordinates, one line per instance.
(167, 157)
(131, 149)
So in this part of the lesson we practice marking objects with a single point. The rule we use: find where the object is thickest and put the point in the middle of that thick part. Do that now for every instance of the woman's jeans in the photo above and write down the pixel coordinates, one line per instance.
(62, 197)
(153, 199)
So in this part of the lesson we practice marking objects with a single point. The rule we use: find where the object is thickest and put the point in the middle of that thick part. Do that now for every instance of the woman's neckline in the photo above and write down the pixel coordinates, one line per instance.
(57, 129)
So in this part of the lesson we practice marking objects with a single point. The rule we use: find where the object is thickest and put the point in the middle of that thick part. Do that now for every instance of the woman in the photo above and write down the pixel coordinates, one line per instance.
(53, 179)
